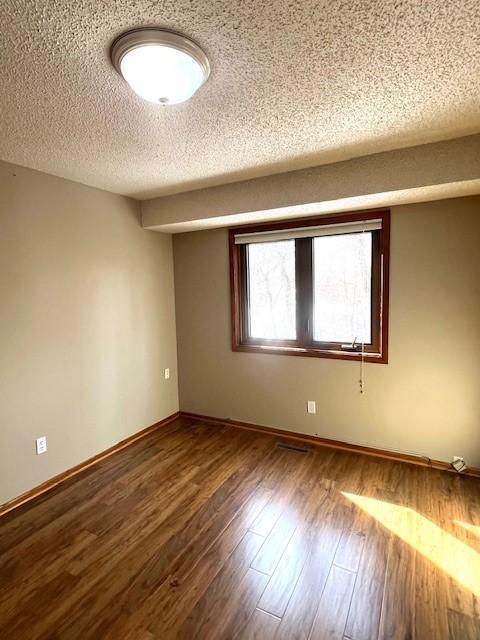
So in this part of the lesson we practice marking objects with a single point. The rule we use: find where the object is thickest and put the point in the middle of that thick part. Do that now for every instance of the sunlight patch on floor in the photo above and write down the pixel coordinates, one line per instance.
(469, 527)
(452, 556)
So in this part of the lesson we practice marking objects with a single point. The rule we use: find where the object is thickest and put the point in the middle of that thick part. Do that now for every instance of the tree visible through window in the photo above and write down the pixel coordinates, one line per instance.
(271, 290)
(319, 287)
(342, 278)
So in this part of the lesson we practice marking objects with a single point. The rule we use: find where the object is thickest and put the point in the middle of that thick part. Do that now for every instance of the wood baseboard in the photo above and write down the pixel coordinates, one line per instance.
(289, 435)
(61, 477)
(334, 444)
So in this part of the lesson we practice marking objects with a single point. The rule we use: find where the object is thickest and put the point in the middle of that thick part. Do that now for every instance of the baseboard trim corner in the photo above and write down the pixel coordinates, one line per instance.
(65, 475)
(333, 444)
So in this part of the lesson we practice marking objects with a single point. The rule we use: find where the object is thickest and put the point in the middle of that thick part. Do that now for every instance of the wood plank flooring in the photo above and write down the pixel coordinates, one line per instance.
(206, 532)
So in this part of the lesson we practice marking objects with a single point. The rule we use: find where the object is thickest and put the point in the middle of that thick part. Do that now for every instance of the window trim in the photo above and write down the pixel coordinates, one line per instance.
(380, 293)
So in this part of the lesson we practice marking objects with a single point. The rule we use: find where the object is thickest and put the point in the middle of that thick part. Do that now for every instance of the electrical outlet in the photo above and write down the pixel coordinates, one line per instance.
(167, 374)
(311, 406)
(41, 444)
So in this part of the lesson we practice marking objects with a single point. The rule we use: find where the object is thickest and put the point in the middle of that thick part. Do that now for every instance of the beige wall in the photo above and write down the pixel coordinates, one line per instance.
(426, 400)
(87, 325)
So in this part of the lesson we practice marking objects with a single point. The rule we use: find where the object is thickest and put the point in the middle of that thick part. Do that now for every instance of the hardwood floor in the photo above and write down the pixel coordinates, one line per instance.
(206, 532)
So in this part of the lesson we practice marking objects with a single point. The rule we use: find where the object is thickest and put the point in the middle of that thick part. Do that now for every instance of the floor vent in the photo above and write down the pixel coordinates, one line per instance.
(293, 447)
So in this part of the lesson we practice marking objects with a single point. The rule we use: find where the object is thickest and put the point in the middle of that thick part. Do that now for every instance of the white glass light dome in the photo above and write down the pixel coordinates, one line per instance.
(160, 66)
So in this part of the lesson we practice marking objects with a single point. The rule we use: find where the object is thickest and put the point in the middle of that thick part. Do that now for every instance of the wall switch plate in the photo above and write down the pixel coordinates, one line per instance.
(41, 445)
(167, 374)
(311, 406)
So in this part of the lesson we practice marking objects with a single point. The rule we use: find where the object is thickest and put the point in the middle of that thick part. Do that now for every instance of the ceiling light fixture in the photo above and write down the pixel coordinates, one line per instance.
(160, 66)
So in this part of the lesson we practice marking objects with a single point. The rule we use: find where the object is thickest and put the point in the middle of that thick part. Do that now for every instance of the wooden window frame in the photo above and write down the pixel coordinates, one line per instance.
(304, 345)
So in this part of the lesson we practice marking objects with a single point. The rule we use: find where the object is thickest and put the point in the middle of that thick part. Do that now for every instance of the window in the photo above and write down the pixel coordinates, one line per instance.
(271, 290)
(316, 287)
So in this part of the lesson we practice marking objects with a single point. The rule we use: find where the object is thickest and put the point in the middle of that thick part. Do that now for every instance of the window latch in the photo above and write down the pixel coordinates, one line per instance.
(352, 346)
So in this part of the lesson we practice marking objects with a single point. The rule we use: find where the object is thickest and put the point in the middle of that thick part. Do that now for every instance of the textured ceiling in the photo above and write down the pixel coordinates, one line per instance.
(294, 83)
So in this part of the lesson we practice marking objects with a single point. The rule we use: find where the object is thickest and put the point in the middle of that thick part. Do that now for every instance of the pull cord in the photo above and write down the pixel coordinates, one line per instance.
(361, 381)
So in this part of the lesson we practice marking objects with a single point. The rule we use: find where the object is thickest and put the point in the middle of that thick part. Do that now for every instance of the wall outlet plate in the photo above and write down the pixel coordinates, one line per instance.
(167, 373)
(41, 445)
(311, 406)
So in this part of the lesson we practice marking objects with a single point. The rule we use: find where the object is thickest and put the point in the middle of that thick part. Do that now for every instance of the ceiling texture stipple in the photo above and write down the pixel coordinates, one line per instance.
(294, 83)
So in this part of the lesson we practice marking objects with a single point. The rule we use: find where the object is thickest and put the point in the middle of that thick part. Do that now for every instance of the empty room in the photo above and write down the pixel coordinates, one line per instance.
(240, 320)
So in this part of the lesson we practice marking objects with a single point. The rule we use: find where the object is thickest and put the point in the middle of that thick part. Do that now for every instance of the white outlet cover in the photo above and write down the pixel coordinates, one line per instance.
(167, 374)
(311, 406)
(41, 445)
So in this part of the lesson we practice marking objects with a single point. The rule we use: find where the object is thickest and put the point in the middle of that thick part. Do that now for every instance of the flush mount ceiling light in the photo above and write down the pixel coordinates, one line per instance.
(159, 65)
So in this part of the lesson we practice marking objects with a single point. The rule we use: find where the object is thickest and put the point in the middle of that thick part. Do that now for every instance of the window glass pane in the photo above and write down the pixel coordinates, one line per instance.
(271, 286)
(342, 288)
